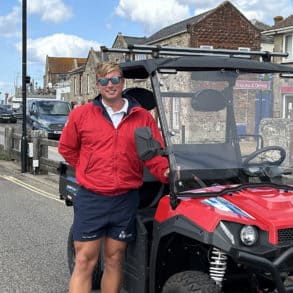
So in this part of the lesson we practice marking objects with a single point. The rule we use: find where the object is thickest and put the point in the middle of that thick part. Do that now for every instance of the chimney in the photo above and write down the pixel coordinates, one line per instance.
(278, 19)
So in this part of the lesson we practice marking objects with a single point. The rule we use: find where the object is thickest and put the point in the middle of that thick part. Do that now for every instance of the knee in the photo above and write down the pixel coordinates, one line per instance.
(84, 264)
(113, 261)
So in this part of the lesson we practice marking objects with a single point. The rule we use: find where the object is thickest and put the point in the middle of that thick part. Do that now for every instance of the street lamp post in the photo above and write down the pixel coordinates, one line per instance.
(24, 82)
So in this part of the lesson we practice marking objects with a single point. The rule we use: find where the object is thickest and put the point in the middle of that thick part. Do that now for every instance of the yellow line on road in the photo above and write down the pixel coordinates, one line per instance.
(30, 187)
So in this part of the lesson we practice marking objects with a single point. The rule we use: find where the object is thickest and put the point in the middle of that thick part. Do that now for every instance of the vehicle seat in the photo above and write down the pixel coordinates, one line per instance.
(152, 189)
(143, 96)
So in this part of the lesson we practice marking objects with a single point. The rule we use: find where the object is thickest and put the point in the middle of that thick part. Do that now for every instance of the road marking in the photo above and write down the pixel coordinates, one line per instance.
(31, 188)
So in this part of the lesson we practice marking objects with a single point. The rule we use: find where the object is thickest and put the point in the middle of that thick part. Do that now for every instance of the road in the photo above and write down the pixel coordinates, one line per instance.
(34, 225)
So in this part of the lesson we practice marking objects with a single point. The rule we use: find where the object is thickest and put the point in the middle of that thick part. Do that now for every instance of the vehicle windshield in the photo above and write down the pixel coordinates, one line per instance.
(54, 108)
(216, 122)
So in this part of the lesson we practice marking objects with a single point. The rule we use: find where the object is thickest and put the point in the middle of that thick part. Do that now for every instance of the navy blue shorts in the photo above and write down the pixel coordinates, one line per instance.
(97, 216)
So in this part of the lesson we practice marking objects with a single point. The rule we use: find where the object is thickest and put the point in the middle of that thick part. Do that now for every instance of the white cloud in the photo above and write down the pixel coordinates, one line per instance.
(153, 14)
(251, 9)
(156, 14)
(10, 24)
(58, 45)
(254, 9)
(50, 10)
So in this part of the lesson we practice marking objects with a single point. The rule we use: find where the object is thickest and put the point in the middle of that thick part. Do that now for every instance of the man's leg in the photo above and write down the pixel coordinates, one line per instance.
(86, 257)
(113, 260)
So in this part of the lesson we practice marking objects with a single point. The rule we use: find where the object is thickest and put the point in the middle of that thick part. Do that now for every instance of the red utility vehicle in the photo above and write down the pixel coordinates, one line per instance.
(224, 223)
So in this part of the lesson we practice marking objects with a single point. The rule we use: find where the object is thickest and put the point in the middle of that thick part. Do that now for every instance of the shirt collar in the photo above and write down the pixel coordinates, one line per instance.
(122, 110)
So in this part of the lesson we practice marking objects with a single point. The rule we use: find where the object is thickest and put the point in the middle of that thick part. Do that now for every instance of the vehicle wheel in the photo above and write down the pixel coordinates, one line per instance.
(98, 271)
(190, 282)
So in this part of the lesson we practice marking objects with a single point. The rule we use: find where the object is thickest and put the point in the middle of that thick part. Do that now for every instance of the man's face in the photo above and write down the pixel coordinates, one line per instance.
(111, 85)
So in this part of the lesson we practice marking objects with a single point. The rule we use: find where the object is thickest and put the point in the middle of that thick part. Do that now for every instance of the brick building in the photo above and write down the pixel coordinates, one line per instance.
(222, 27)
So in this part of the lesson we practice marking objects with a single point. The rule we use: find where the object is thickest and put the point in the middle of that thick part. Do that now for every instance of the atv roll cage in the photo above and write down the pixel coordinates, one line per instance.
(198, 65)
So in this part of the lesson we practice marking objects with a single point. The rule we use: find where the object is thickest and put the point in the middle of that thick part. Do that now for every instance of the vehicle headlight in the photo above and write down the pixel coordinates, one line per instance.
(248, 235)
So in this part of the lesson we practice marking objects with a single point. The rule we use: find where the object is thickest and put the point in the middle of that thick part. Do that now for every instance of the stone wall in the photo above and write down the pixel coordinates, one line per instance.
(278, 132)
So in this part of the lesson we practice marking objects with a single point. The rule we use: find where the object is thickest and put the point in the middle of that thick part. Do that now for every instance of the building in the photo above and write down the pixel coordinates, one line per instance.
(282, 32)
(83, 79)
(57, 70)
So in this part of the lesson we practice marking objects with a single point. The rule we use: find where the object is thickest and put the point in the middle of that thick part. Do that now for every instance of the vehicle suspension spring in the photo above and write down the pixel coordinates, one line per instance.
(218, 265)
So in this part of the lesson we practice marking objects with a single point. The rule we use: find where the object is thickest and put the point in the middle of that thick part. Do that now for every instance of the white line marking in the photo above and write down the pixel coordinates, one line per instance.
(31, 188)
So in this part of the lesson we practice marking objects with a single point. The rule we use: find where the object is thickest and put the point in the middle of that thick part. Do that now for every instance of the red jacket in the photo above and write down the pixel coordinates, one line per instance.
(105, 159)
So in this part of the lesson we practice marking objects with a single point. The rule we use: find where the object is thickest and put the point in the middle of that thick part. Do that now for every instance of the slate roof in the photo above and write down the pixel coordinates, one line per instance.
(176, 28)
(134, 40)
(263, 27)
(260, 25)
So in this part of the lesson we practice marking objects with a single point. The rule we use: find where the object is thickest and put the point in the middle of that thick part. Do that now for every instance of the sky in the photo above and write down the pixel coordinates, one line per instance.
(69, 28)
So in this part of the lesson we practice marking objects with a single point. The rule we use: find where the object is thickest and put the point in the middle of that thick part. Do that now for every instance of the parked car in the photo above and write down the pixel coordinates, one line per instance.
(47, 114)
(18, 113)
(7, 115)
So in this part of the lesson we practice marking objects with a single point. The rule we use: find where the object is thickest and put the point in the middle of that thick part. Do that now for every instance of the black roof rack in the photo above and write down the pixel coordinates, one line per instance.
(156, 51)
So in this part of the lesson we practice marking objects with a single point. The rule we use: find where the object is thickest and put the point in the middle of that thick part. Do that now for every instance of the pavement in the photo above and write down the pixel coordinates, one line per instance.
(48, 182)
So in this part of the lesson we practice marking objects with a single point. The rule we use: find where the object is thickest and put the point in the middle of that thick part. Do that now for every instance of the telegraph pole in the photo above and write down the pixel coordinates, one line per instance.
(24, 83)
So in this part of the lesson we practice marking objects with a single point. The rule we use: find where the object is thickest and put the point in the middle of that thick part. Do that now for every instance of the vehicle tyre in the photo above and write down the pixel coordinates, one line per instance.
(98, 271)
(191, 282)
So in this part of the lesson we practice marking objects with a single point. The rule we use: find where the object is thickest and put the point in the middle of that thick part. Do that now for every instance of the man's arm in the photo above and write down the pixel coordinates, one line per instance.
(69, 143)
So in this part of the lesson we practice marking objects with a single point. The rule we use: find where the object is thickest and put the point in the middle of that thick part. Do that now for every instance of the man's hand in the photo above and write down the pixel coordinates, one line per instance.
(166, 173)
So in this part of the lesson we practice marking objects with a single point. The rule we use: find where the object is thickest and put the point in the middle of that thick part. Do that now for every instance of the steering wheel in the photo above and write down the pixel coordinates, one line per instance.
(276, 162)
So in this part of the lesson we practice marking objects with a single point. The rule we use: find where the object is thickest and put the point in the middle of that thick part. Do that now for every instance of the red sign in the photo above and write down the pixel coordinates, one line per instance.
(287, 89)
(252, 85)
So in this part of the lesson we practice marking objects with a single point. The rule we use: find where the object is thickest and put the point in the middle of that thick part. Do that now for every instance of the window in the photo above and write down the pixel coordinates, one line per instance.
(139, 57)
(243, 49)
(206, 47)
(288, 106)
(288, 47)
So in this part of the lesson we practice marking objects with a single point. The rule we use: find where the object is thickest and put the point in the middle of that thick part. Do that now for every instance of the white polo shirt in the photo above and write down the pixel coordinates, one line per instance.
(116, 117)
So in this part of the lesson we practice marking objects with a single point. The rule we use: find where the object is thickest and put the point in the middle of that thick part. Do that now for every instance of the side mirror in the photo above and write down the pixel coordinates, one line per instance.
(33, 112)
(147, 147)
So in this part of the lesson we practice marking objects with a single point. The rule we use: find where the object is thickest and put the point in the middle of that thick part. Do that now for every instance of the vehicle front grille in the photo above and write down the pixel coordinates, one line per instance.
(57, 127)
(5, 116)
(285, 235)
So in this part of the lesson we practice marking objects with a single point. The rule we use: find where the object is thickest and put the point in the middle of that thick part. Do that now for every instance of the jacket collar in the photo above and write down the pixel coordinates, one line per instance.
(131, 103)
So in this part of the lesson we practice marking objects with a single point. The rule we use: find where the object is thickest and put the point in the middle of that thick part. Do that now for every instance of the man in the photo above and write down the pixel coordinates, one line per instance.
(98, 141)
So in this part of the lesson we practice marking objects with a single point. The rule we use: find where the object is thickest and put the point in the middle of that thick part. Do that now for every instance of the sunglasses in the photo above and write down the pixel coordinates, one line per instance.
(114, 80)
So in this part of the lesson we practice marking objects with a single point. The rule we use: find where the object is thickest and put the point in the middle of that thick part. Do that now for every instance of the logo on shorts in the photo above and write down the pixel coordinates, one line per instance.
(123, 235)
(88, 236)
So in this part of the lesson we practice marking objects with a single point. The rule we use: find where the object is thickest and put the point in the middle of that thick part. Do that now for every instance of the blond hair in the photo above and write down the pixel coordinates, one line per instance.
(104, 68)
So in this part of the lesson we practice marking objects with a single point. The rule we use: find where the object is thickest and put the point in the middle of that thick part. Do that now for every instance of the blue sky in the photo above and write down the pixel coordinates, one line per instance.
(69, 28)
